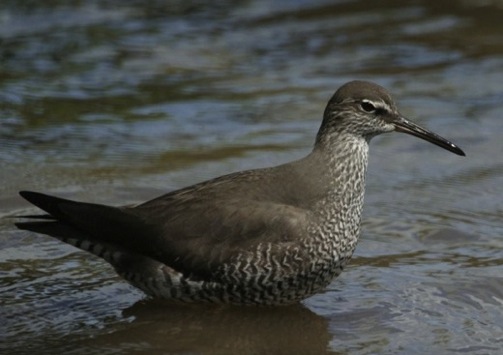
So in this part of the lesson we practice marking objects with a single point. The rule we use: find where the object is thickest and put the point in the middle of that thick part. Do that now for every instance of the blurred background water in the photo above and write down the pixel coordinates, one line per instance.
(120, 101)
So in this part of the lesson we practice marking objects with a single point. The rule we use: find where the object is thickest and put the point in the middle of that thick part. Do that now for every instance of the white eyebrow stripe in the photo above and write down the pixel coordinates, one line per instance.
(378, 104)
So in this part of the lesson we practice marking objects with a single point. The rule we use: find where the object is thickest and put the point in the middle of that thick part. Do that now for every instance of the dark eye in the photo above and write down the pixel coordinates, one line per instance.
(367, 106)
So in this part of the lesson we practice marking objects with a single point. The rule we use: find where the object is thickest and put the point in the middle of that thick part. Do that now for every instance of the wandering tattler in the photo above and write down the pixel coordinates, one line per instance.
(266, 236)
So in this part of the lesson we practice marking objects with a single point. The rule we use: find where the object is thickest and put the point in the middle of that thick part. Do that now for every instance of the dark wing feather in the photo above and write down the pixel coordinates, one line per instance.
(197, 238)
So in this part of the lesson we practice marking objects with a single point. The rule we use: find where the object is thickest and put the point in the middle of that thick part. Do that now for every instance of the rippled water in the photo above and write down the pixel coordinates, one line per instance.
(118, 103)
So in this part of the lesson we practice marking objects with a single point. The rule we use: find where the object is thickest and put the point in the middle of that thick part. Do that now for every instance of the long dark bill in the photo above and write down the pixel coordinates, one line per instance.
(406, 126)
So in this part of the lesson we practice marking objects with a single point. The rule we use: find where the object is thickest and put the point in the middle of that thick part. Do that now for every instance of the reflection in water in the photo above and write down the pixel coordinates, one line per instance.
(159, 326)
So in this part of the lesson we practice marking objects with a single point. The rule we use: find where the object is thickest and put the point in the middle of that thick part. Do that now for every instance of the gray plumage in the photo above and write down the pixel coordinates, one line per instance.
(266, 236)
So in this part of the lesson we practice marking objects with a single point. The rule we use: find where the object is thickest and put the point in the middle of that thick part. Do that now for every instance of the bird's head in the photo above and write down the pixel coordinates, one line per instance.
(364, 109)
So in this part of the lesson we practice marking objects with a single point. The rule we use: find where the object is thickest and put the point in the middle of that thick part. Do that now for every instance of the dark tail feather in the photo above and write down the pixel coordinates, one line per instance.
(34, 216)
(100, 223)
(67, 234)
(49, 204)
(54, 228)
(127, 263)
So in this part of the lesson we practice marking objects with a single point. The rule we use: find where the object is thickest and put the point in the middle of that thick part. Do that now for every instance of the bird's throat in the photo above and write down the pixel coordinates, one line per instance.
(341, 206)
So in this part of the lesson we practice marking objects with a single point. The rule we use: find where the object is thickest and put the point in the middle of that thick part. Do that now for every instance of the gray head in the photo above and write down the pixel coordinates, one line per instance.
(365, 109)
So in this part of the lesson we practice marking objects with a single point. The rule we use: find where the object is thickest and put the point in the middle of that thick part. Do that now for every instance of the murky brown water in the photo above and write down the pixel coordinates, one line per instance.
(118, 103)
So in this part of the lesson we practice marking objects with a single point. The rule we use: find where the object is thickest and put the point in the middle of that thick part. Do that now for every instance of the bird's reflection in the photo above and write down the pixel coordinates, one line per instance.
(159, 325)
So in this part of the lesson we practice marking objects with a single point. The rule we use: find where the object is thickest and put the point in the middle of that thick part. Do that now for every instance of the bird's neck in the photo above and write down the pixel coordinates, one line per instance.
(345, 167)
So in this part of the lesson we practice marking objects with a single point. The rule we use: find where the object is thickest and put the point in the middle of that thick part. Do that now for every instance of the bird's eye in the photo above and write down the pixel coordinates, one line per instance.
(367, 106)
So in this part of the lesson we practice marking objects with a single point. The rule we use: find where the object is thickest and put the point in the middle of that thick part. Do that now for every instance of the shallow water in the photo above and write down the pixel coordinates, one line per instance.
(118, 104)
